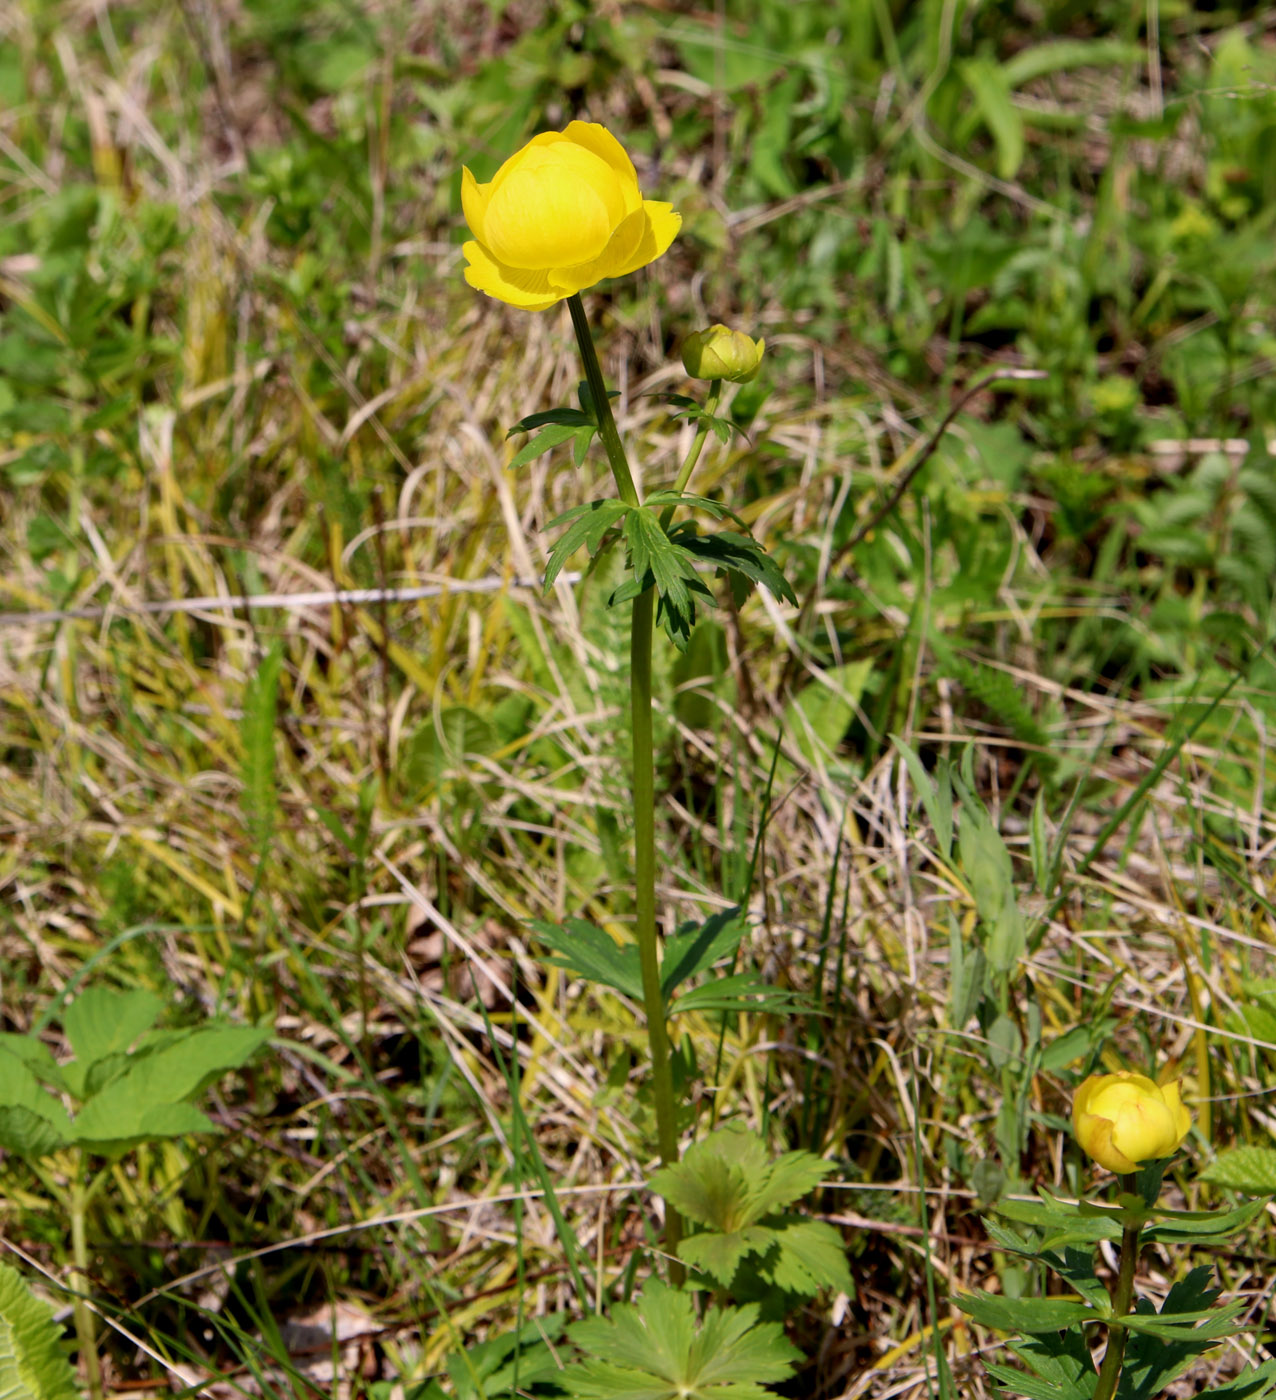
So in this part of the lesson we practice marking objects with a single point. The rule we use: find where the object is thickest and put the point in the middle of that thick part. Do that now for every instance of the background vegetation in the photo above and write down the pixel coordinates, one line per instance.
(237, 358)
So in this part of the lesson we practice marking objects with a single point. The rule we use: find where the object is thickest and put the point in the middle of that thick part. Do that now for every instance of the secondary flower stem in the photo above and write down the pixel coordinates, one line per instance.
(684, 474)
(1122, 1297)
(642, 627)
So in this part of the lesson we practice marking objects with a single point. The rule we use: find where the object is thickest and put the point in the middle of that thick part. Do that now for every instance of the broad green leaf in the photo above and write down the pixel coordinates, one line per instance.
(695, 949)
(33, 1365)
(657, 1350)
(741, 992)
(104, 1131)
(991, 92)
(33, 1053)
(28, 1133)
(1153, 1362)
(591, 953)
(32, 1121)
(1255, 1384)
(936, 794)
(1060, 54)
(817, 719)
(1024, 1314)
(147, 1099)
(104, 1021)
(1248, 1169)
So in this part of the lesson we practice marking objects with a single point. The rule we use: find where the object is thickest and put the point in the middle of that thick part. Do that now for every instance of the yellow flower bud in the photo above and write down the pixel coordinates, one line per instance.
(1123, 1119)
(560, 215)
(721, 353)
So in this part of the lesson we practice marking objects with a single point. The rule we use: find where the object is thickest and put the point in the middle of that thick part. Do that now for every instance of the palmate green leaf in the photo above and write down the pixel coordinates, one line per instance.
(591, 953)
(738, 556)
(1025, 1314)
(586, 525)
(810, 1256)
(1074, 1266)
(1255, 1384)
(33, 1053)
(656, 1350)
(1152, 1362)
(1059, 1368)
(653, 552)
(728, 1183)
(1248, 1169)
(695, 948)
(33, 1365)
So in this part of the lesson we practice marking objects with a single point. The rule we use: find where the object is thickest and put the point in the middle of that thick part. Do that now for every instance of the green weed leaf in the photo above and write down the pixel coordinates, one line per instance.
(549, 438)
(32, 1363)
(103, 1022)
(1248, 1169)
(1059, 1368)
(656, 1350)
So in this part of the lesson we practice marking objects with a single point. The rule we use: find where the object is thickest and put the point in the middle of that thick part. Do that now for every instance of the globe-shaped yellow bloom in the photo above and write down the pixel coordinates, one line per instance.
(1123, 1119)
(560, 215)
(721, 353)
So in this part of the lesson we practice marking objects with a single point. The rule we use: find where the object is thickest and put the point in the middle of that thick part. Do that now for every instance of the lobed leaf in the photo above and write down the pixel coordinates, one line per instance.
(33, 1365)
(656, 1350)
(591, 953)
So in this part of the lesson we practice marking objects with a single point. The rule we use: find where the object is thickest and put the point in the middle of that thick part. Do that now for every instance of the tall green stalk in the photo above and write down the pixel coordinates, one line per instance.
(1122, 1293)
(642, 627)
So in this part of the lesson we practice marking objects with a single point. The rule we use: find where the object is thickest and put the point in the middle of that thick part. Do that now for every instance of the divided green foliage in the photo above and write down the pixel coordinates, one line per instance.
(590, 952)
(729, 1184)
(33, 1365)
(133, 1083)
(658, 1350)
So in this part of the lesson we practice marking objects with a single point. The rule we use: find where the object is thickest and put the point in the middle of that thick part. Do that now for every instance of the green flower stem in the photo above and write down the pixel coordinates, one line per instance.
(642, 627)
(684, 474)
(77, 1201)
(1122, 1299)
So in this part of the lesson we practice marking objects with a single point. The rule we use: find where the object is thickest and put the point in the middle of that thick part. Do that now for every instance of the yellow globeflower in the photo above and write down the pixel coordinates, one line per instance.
(1123, 1119)
(560, 215)
(721, 353)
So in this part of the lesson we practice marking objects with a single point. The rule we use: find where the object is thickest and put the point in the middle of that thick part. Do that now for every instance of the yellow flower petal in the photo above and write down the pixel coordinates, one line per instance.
(556, 208)
(1123, 1119)
(529, 291)
(660, 229)
(474, 200)
(598, 139)
(620, 248)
